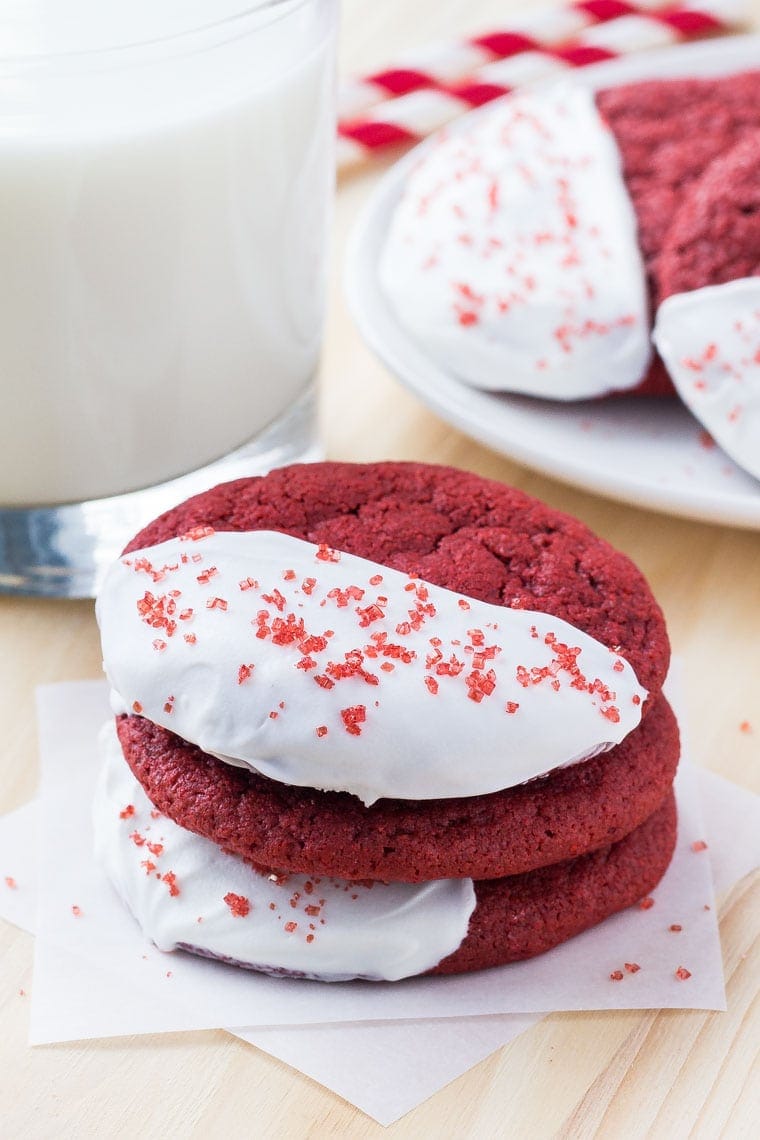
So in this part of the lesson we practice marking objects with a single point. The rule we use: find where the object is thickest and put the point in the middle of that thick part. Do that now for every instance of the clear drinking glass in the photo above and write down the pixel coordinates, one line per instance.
(166, 175)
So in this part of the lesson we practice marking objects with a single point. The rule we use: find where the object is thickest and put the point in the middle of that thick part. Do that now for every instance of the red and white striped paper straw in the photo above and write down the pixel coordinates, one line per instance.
(403, 104)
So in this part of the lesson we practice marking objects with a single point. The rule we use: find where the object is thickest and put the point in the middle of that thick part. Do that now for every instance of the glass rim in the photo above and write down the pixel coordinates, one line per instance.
(116, 50)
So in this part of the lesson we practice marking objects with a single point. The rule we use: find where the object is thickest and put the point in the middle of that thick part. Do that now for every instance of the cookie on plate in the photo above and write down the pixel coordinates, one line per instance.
(669, 131)
(390, 697)
(527, 249)
(714, 235)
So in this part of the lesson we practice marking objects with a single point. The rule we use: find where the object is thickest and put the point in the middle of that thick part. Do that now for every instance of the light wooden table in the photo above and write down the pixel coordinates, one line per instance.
(671, 1074)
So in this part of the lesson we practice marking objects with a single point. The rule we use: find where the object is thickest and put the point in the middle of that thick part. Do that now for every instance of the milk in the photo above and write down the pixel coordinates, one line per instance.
(163, 216)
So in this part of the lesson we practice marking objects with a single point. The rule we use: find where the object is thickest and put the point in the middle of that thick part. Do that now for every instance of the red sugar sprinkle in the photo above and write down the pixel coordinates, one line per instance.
(290, 927)
(646, 904)
(196, 533)
(463, 605)
(11, 883)
(127, 812)
(616, 976)
(239, 905)
(308, 585)
(313, 644)
(618, 666)
(169, 705)
(190, 638)
(171, 881)
(155, 848)
(76, 911)
(636, 699)
(216, 604)
(275, 599)
(159, 645)
(288, 575)
(149, 866)
(432, 685)
(612, 714)
(682, 973)
(205, 576)
(326, 554)
(244, 672)
(309, 937)
(137, 707)
(353, 717)
(248, 584)
(322, 730)
(675, 927)
(632, 967)
(137, 839)
(273, 715)
(512, 707)
(376, 579)
(699, 845)
(745, 726)
(369, 614)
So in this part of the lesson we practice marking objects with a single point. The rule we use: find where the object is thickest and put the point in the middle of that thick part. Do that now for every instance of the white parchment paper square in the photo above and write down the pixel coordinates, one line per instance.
(86, 939)
(375, 1065)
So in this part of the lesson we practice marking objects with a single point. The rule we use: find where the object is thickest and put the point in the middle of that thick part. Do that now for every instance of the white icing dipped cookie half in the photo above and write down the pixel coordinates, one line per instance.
(323, 670)
(512, 256)
(710, 341)
(185, 892)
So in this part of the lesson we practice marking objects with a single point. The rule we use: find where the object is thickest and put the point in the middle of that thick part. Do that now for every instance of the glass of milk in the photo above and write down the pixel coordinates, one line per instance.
(166, 173)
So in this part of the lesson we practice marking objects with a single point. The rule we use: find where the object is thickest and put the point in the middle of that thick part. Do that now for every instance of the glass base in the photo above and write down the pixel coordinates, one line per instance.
(63, 551)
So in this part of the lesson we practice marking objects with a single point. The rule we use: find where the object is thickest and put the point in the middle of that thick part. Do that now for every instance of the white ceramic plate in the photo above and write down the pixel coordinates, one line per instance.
(651, 453)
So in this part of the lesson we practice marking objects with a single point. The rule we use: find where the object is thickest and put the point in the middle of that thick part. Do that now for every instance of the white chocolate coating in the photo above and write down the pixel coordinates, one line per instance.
(710, 341)
(513, 257)
(186, 892)
(328, 671)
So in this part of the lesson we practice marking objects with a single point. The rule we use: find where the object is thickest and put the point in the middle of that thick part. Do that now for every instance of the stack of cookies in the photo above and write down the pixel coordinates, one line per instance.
(382, 720)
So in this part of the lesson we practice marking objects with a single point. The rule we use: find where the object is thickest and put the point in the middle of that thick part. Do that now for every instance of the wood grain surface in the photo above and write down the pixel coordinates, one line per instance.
(615, 1075)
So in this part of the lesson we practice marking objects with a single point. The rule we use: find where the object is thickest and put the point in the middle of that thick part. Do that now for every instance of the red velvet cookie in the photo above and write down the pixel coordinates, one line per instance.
(714, 236)
(524, 915)
(454, 529)
(276, 826)
(668, 133)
